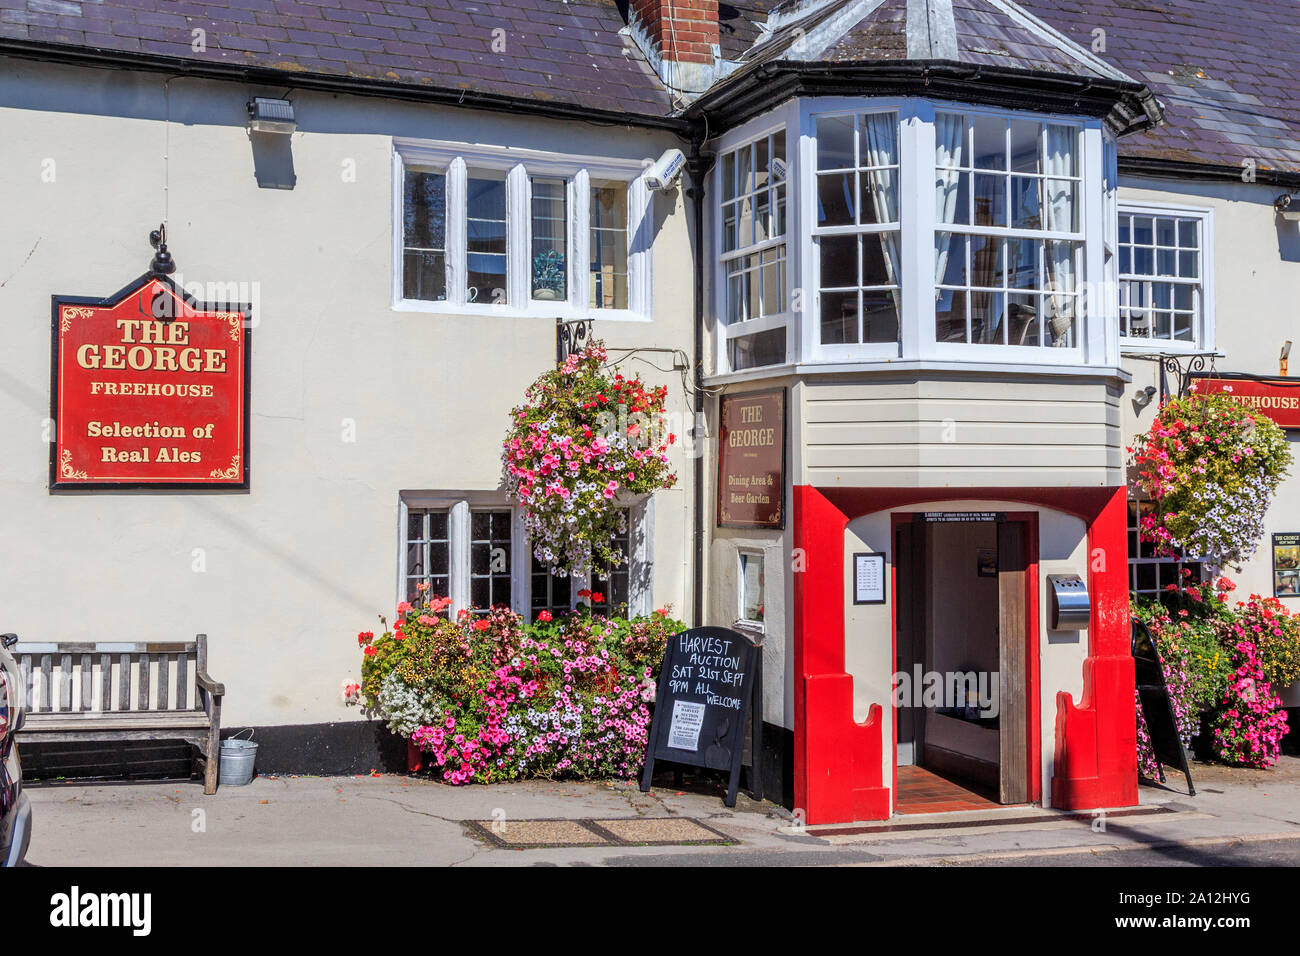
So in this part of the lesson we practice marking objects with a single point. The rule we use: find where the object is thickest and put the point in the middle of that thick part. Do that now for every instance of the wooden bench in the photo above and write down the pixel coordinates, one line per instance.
(101, 707)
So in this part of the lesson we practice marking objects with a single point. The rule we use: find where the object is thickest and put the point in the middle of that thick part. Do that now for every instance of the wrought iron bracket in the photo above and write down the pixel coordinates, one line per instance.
(1182, 367)
(571, 336)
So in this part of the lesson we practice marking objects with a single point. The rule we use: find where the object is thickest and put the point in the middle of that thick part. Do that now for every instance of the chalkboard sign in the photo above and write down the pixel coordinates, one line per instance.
(1156, 707)
(706, 690)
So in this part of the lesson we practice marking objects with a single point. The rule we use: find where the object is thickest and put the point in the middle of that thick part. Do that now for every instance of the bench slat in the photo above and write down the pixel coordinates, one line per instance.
(87, 681)
(47, 683)
(105, 682)
(144, 682)
(65, 682)
(182, 682)
(124, 682)
(163, 681)
(37, 648)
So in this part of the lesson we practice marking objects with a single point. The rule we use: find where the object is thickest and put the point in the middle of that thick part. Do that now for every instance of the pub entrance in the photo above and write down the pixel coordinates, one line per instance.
(963, 671)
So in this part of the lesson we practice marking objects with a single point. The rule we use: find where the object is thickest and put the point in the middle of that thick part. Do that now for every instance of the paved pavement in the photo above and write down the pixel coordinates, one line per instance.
(1238, 817)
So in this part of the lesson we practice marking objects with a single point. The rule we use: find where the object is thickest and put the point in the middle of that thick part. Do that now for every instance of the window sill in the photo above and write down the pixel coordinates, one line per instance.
(922, 365)
(1133, 348)
(540, 310)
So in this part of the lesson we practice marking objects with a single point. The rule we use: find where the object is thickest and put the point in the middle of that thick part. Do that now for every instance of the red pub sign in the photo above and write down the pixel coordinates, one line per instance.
(1278, 398)
(149, 390)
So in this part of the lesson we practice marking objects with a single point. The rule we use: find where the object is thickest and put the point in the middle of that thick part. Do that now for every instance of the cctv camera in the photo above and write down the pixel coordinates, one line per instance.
(666, 170)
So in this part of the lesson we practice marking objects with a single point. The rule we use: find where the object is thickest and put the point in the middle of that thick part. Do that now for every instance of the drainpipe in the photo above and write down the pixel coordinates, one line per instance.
(698, 165)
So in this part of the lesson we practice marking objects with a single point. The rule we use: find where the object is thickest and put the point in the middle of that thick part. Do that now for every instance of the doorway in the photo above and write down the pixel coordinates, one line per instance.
(965, 674)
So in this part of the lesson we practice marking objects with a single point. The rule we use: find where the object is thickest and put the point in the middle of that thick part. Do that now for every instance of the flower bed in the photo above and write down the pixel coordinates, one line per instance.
(1221, 664)
(494, 698)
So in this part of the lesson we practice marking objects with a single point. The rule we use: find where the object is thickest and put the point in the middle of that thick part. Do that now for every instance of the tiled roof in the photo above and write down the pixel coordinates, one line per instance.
(1226, 73)
(974, 32)
(571, 52)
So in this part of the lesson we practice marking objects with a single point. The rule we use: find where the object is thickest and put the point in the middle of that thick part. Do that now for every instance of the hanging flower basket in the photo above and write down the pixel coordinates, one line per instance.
(1211, 466)
(584, 440)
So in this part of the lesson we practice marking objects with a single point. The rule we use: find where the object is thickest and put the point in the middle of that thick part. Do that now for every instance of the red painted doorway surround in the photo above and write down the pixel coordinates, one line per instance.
(838, 765)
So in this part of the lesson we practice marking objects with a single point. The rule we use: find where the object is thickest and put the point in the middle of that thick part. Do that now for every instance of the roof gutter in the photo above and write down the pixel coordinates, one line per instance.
(1179, 169)
(126, 60)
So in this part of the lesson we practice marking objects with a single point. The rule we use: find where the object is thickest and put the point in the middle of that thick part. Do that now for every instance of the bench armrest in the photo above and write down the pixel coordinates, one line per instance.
(204, 680)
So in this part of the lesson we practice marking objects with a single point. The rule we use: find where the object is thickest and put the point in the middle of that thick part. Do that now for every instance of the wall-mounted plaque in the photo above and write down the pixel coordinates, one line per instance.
(868, 578)
(751, 460)
(149, 389)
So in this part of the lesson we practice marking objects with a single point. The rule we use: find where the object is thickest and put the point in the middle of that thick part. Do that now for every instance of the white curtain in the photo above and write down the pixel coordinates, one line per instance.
(1059, 164)
(881, 135)
(948, 135)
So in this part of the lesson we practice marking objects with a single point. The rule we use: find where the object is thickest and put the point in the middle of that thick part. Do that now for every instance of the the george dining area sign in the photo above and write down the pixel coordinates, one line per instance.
(149, 389)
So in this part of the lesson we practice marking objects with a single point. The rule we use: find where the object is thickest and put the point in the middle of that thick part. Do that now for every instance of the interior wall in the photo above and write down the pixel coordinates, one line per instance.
(962, 623)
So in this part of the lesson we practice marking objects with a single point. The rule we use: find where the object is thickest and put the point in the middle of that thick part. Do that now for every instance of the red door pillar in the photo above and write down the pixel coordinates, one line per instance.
(1096, 739)
(837, 761)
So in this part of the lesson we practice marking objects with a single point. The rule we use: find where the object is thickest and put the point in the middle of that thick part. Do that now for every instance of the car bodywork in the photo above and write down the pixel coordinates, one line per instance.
(15, 809)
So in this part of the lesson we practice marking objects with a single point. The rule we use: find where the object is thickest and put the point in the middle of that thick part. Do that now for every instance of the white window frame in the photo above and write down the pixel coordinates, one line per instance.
(772, 125)
(1203, 337)
(1095, 342)
(741, 554)
(520, 165)
(459, 507)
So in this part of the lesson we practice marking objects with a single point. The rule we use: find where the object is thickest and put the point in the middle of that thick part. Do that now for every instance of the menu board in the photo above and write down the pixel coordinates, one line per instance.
(703, 699)
(1286, 565)
(751, 460)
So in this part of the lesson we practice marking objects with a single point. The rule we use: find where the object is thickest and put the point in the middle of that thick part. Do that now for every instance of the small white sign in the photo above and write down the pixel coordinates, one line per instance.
(868, 579)
(684, 731)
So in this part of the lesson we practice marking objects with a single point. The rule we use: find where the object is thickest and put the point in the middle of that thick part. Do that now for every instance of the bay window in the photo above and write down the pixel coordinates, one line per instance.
(916, 231)
(488, 230)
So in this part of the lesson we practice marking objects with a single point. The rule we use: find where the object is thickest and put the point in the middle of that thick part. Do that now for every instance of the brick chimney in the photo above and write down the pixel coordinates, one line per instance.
(680, 38)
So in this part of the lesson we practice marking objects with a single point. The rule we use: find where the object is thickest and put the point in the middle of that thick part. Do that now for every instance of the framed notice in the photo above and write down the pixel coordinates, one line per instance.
(1286, 565)
(149, 389)
(751, 460)
(868, 578)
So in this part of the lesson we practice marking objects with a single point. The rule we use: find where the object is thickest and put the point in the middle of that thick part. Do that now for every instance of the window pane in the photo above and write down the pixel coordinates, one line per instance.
(990, 200)
(550, 239)
(424, 235)
(608, 246)
(759, 349)
(485, 238)
(839, 317)
(879, 316)
(836, 200)
(426, 552)
(839, 259)
(835, 142)
(1026, 206)
(950, 316)
(1025, 152)
(751, 587)
(990, 143)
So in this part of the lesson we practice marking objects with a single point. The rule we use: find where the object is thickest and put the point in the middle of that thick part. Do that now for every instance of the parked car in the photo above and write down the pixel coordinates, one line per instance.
(15, 810)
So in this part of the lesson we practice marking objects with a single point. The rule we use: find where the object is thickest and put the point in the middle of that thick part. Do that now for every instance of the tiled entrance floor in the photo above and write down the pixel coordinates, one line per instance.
(921, 791)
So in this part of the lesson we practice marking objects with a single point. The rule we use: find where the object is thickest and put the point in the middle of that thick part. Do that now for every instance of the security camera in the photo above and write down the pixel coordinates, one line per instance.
(665, 172)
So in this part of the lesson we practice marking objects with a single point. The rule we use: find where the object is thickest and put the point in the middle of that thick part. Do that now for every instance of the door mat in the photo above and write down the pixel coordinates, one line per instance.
(642, 831)
(989, 821)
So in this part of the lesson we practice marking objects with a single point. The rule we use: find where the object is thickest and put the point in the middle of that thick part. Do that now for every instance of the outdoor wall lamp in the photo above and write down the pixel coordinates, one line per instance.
(266, 115)
(1282, 359)
(1143, 398)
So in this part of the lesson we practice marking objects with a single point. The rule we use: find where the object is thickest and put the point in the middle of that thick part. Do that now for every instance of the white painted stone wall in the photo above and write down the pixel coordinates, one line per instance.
(308, 557)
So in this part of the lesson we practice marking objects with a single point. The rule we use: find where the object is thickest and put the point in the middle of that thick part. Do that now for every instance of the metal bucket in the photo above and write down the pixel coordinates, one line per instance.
(237, 759)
